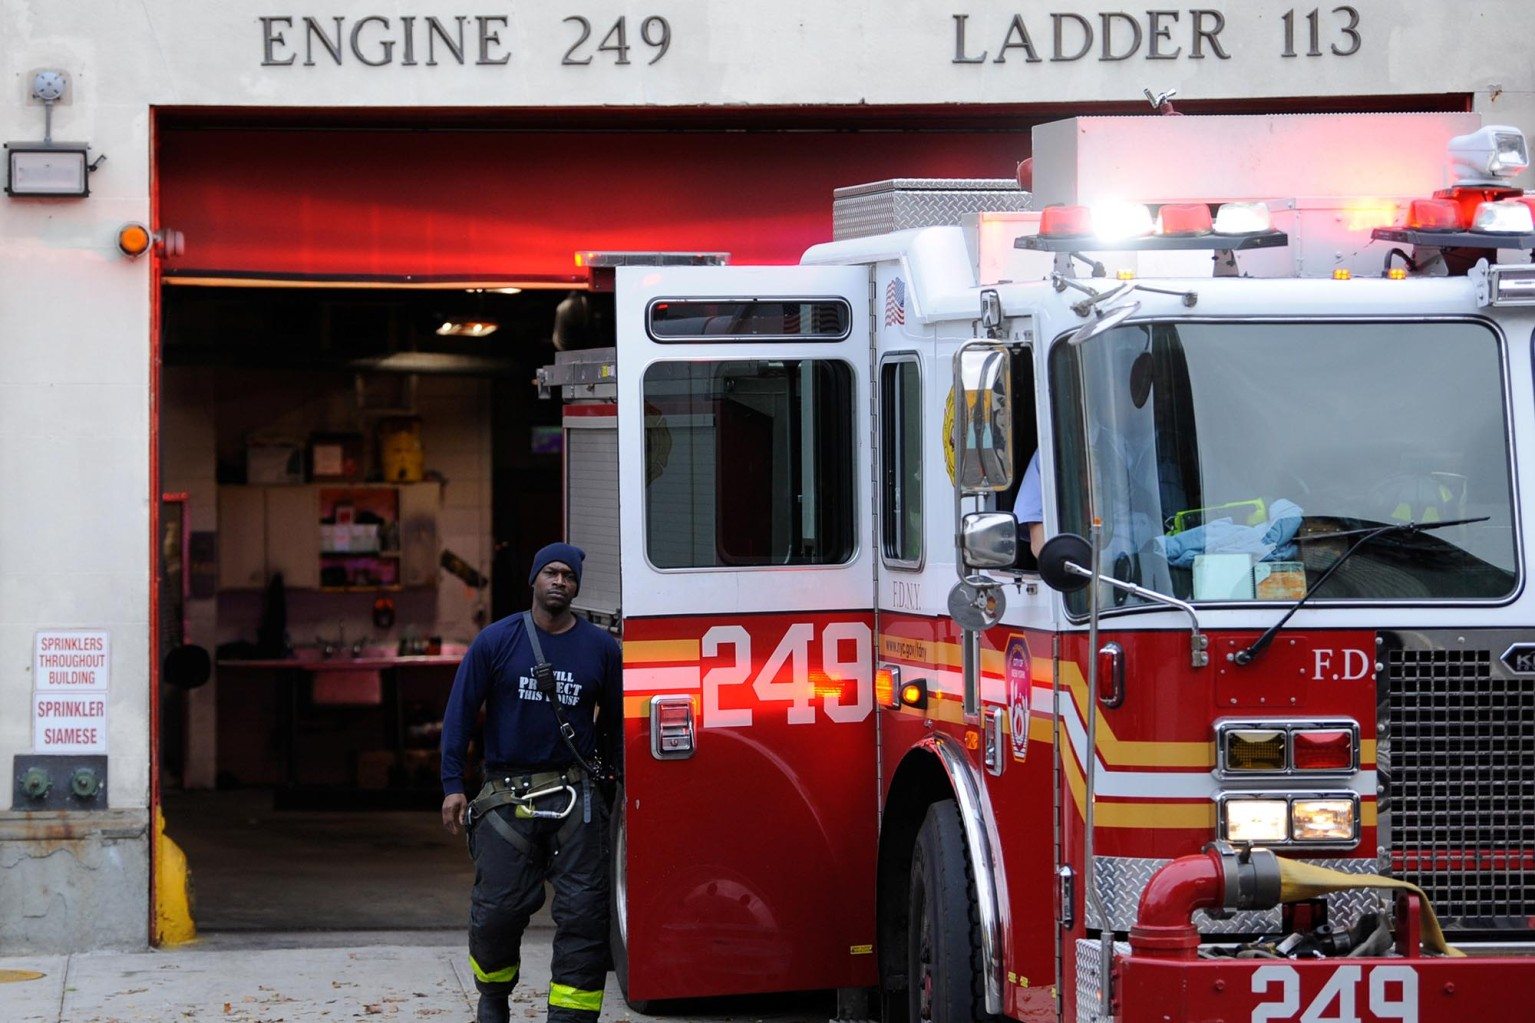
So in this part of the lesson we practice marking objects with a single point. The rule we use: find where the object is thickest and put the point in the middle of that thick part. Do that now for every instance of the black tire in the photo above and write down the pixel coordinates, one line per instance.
(943, 945)
(617, 909)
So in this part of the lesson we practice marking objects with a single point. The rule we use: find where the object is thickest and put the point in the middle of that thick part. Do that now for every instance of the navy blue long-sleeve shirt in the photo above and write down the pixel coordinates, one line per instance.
(521, 732)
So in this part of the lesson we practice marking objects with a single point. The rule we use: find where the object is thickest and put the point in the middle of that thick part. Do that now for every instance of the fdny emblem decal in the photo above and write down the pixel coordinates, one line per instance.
(1018, 684)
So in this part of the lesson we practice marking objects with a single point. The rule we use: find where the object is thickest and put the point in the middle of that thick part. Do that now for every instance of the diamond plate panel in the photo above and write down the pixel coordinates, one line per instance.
(1089, 979)
(1121, 879)
(899, 204)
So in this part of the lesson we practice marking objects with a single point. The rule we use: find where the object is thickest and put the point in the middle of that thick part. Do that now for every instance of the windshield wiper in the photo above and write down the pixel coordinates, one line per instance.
(1365, 535)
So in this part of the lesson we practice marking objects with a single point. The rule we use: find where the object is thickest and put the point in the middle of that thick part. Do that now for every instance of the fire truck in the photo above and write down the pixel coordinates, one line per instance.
(1249, 737)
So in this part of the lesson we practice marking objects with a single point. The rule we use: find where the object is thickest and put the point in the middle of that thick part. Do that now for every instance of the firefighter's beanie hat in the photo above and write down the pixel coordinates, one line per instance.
(568, 554)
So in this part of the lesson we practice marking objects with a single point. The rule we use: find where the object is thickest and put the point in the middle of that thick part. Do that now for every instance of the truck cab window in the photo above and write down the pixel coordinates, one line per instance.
(1221, 473)
(749, 463)
(900, 406)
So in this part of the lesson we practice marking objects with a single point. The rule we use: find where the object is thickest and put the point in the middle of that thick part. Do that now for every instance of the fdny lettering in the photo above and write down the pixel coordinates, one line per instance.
(906, 596)
(803, 669)
(1340, 665)
(1391, 992)
(565, 685)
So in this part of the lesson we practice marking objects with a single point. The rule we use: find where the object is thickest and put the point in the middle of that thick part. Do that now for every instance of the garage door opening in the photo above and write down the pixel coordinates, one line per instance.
(347, 469)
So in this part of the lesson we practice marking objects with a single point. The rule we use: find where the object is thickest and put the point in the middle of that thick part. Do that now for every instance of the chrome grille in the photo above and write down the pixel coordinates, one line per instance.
(1459, 752)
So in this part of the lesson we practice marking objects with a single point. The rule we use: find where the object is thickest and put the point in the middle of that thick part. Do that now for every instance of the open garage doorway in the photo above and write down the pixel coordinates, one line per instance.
(333, 459)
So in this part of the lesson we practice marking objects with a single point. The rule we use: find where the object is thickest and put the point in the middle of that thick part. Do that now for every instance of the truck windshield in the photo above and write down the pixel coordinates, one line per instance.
(1227, 456)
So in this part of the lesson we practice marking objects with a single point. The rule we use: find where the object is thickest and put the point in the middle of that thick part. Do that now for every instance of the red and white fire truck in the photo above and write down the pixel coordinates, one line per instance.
(1272, 409)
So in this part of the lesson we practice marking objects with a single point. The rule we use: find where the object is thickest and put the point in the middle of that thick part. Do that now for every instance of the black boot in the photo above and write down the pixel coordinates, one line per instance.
(493, 1009)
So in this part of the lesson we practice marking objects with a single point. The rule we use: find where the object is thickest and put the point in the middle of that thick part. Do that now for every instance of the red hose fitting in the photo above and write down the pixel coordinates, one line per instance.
(1162, 926)
(1219, 877)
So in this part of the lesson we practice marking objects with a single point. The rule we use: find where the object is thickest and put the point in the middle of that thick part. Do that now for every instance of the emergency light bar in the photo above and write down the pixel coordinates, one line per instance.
(1234, 242)
(1122, 227)
(1454, 239)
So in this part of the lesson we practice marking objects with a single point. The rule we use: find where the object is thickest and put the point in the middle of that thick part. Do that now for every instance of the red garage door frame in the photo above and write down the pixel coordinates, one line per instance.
(423, 197)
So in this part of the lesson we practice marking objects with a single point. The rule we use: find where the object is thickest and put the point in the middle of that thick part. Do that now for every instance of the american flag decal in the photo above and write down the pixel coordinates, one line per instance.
(895, 302)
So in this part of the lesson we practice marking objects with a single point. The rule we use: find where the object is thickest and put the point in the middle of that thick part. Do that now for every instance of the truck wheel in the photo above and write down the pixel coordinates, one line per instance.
(943, 947)
(618, 907)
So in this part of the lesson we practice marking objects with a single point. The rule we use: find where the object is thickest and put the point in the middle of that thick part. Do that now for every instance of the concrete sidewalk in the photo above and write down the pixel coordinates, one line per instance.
(398, 977)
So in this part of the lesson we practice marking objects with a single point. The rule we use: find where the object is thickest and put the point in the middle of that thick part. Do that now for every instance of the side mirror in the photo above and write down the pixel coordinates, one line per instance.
(1056, 554)
(983, 423)
(988, 540)
(1105, 321)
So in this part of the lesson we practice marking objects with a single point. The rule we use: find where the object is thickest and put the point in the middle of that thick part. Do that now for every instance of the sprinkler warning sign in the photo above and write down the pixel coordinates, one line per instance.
(71, 671)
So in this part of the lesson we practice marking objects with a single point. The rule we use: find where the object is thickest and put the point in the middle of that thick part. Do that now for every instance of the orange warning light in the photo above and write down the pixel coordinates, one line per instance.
(133, 240)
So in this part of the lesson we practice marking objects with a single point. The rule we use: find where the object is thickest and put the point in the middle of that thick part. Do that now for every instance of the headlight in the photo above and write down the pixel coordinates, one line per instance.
(1295, 819)
(1257, 820)
(1323, 820)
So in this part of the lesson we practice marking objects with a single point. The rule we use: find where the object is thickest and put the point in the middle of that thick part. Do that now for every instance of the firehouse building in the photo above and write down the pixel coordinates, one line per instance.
(274, 280)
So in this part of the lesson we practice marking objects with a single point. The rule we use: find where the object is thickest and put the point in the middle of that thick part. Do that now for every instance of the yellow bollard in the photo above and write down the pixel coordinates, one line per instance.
(173, 890)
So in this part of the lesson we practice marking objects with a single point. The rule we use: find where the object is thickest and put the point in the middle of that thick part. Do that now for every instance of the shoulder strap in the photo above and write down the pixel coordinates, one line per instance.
(532, 630)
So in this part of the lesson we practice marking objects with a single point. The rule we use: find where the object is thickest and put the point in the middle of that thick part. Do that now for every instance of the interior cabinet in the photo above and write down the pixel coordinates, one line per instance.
(292, 542)
(264, 530)
(242, 538)
(330, 537)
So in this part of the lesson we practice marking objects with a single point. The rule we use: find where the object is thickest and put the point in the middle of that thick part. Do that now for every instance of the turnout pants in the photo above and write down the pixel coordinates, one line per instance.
(509, 876)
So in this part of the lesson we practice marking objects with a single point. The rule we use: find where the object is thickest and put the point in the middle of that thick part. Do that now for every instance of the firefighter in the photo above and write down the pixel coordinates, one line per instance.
(1029, 505)
(550, 684)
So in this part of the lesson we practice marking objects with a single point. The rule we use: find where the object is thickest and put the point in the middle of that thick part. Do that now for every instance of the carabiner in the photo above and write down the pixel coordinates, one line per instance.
(526, 808)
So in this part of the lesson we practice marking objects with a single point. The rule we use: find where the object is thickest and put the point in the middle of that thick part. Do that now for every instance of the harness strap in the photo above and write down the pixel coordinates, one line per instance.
(506, 831)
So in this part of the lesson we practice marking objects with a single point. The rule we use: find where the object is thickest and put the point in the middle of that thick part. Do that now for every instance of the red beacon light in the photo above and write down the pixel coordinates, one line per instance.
(1433, 215)
(1183, 220)
(1065, 222)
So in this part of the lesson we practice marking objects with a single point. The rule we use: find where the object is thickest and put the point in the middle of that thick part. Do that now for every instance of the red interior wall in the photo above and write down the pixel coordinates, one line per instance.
(518, 204)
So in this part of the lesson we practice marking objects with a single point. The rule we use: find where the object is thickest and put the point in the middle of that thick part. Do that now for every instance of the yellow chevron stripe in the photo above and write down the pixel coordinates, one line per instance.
(660, 651)
(1147, 815)
(1117, 752)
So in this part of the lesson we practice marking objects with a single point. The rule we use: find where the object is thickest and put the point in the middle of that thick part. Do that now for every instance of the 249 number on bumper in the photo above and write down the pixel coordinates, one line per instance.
(1385, 992)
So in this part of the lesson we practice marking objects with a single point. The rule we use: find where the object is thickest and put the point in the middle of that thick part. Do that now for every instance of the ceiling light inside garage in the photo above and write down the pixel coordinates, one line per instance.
(457, 327)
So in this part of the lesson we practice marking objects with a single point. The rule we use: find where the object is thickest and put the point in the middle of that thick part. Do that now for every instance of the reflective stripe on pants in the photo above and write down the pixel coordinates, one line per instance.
(566, 997)
(503, 976)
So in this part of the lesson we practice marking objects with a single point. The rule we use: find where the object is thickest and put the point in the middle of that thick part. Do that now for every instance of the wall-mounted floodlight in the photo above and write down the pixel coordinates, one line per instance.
(37, 169)
(49, 169)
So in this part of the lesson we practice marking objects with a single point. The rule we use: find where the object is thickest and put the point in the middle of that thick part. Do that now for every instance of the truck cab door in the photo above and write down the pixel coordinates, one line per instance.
(749, 826)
